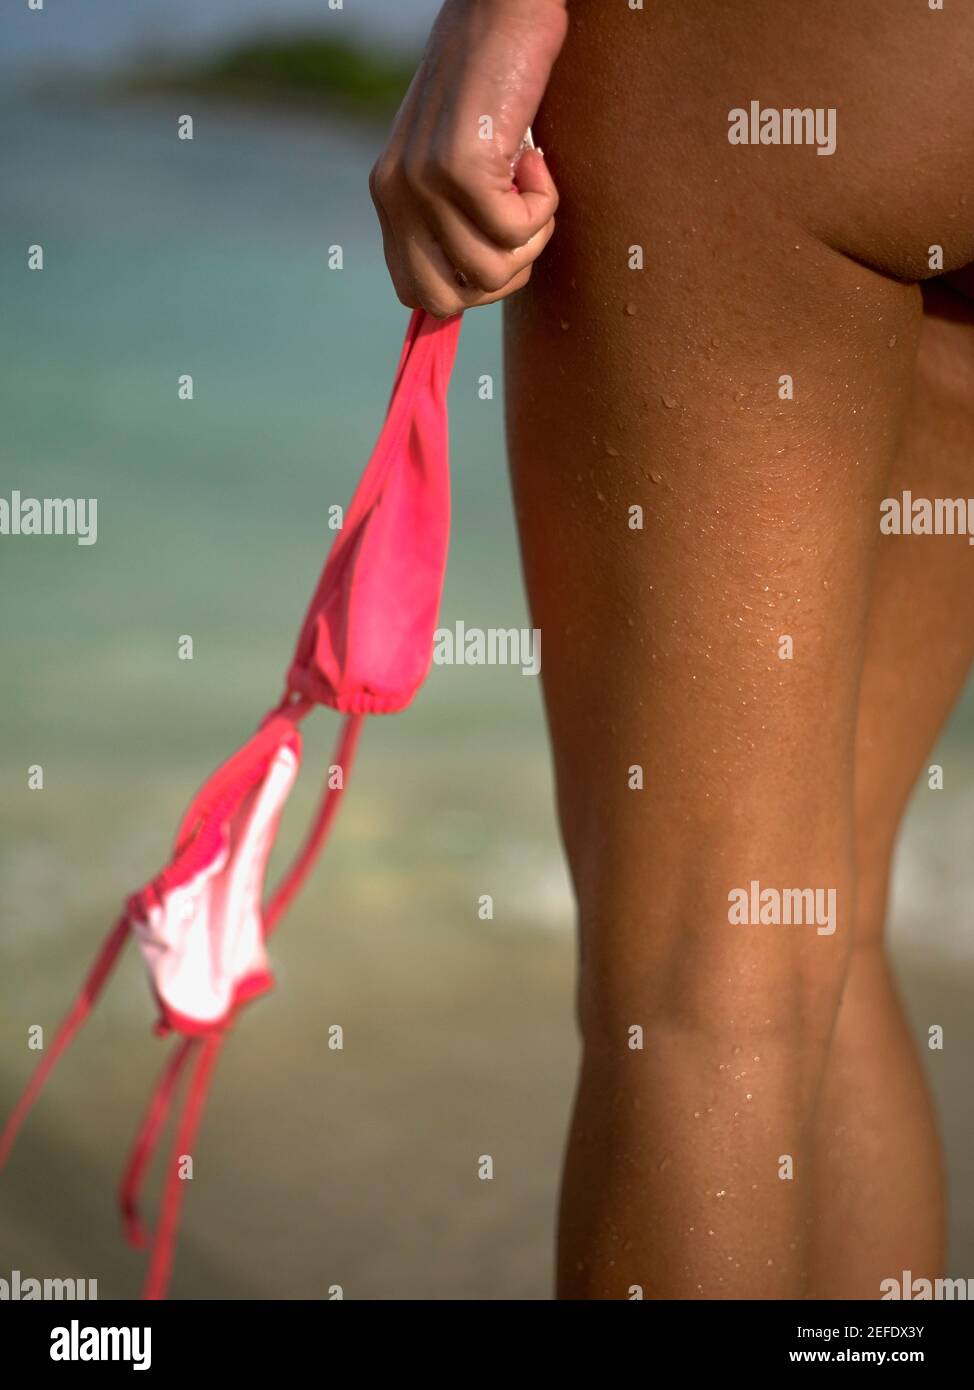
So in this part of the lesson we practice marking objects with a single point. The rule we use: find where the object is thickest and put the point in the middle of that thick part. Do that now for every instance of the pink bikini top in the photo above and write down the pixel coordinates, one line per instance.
(365, 647)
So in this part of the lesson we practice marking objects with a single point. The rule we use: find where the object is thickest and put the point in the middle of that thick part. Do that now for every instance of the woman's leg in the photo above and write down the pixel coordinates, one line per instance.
(691, 1165)
(879, 1186)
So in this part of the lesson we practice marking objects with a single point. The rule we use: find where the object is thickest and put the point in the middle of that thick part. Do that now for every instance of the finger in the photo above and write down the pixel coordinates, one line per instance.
(486, 267)
(431, 276)
(434, 286)
(510, 215)
(512, 287)
(402, 283)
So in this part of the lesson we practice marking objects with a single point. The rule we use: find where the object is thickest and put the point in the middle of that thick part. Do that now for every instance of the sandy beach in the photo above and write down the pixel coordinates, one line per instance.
(359, 1167)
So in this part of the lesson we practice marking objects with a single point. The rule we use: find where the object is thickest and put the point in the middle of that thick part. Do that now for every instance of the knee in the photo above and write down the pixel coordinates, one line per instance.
(707, 990)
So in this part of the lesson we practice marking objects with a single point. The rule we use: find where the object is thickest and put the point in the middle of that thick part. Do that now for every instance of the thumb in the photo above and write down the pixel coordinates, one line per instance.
(531, 176)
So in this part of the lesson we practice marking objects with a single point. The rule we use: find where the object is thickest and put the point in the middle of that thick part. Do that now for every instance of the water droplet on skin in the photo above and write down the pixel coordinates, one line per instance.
(565, 325)
(892, 341)
(669, 402)
(721, 1193)
(748, 1096)
(630, 309)
(664, 1165)
(736, 1049)
(715, 342)
(600, 496)
(613, 453)
(696, 1114)
(710, 1233)
(655, 478)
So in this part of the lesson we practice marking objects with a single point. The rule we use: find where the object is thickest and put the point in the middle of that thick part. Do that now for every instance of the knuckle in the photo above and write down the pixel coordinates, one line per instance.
(509, 239)
(516, 284)
(440, 307)
(509, 232)
(492, 279)
(542, 222)
(379, 180)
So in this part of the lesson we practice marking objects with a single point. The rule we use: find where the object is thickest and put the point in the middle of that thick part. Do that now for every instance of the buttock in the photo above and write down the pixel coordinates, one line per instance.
(854, 122)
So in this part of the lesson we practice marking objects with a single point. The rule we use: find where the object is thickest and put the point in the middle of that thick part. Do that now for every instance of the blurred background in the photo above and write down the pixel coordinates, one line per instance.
(210, 257)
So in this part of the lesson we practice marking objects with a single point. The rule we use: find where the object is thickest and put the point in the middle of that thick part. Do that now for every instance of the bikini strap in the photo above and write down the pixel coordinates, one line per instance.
(290, 885)
(147, 1139)
(207, 1052)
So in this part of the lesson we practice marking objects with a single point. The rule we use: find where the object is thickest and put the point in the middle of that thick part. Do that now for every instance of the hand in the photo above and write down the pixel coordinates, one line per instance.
(464, 212)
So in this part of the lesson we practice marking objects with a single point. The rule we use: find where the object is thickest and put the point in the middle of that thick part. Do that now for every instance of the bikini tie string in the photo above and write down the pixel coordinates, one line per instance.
(206, 1051)
(293, 880)
(147, 1139)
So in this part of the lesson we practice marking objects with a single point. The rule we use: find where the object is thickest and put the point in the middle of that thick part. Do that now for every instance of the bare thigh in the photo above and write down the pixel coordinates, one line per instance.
(660, 388)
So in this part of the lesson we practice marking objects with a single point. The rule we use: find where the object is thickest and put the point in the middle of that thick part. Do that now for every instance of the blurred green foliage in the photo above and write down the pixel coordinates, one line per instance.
(306, 70)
